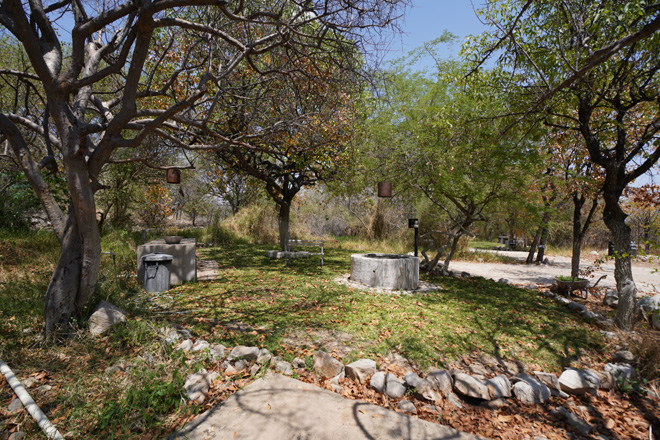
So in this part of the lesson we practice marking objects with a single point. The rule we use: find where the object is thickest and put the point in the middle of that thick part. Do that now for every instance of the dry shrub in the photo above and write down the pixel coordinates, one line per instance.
(647, 351)
(256, 223)
(377, 224)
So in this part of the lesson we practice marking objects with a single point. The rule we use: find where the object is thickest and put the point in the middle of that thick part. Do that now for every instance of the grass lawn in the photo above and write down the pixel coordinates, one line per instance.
(256, 301)
(463, 316)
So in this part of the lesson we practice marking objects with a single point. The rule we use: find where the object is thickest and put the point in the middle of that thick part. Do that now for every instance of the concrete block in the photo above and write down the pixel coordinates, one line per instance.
(385, 271)
(183, 263)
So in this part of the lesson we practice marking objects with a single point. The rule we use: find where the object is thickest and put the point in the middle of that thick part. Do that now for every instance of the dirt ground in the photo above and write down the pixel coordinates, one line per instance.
(646, 275)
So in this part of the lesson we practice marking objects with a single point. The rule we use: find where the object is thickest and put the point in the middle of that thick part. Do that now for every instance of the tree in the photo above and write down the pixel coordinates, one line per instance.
(232, 187)
(582, 181)
(138, 69)
(438, 135)
(609, 96)
(313, 106)
(643, 204)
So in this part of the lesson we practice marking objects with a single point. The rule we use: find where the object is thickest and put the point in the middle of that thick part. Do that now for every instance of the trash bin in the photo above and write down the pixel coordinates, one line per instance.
(157, 268)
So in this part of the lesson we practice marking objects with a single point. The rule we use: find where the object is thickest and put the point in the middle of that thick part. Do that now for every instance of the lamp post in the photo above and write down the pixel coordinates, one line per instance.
(413, 223)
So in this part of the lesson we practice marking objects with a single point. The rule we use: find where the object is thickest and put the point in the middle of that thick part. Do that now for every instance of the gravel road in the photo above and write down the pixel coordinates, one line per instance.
(646, 276)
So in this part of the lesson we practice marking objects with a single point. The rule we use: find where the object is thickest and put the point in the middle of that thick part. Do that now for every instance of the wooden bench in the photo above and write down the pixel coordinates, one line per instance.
(301, 254)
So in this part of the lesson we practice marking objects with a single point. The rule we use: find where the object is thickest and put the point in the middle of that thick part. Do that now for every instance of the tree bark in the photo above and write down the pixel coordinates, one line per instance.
(283, 220)
(544, 237)
(615, 219)
(580, 230)
(578, 203)
(532, 247)
(452, 249)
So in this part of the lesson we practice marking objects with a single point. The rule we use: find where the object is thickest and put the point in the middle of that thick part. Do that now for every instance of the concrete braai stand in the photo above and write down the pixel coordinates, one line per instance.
(387, 271)
(183, 266)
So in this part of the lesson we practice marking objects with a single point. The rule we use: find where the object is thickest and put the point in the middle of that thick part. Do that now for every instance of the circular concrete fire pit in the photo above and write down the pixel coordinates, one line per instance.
(388, 271)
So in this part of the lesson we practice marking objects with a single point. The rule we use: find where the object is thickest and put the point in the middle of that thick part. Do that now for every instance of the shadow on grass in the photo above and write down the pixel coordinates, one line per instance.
(465, 316)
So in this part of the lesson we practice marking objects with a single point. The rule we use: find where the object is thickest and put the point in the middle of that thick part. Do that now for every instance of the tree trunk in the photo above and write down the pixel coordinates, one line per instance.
(615, 219)
(580, 230)
(532, 247)
(75, 276)
(283, 224)
(452, 249)
(578, 203)
(60, 300)
(544, 237)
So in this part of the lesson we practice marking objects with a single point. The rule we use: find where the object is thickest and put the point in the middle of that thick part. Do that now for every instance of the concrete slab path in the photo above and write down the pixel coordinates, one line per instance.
(276, 407)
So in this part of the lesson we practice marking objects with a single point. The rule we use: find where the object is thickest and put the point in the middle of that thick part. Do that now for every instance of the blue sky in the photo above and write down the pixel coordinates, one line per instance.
(428, 19)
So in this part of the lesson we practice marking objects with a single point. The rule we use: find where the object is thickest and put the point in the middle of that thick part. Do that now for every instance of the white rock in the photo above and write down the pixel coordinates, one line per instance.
(198, 384)
(217, 352)
(624, 356)
(548, 379)
(29, 382)
(105, 316)
(377, 381)
(284, 367)
(525, 393)
(499, 387)
(607, 379)
(611, 298)
(469, 386)
(495, 403)
(243, 352)
(264, 356)
(338, 378)
(533, 390)
(411, 379)
(647, 306)
(298, 363)
(609, 335)
(325, 365)
(583, 427)
(394, 387)
(200, 345)
(576, 381)
(454, 400)
(576, 306)
(407, 407)
(186, 345)
(620, 371)
(235, 366)
(441, 381)
(14, 406)
(254, 370)
(361, 369)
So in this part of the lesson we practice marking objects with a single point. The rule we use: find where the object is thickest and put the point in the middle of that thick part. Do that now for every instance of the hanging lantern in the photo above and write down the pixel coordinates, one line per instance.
(173, 175)
(384, 189)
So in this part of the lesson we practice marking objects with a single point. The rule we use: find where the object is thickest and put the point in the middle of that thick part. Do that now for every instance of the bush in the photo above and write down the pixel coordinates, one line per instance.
(217, 233)
(647, 351)
(255, 223)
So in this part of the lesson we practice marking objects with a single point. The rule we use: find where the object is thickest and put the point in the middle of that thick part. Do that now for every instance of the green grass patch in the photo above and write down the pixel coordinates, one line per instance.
(302, 301)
